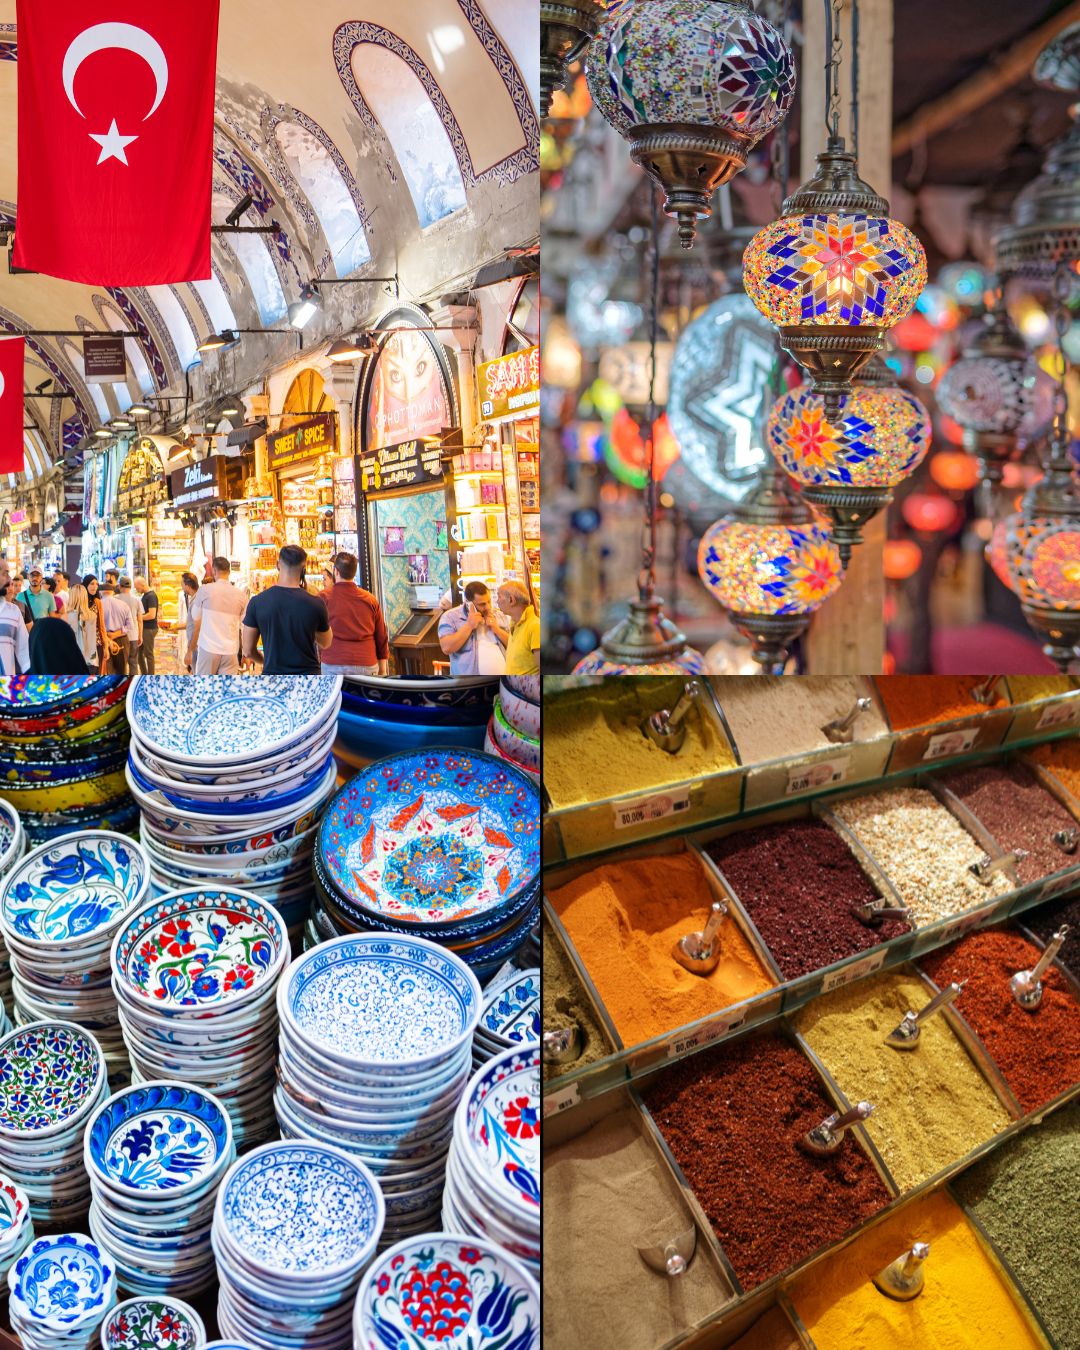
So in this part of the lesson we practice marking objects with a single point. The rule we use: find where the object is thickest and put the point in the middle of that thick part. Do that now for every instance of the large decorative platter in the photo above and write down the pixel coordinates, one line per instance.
(35, 694)
(202, 949)
(498, 1129)
(50, 1072)
(452, 1292)
(153, 1324)
(231, 718)
(304, 1210)
(72, 890)
(67, 722)
(433, 837)
(158, 1140)
(381, 1001)
(62, 1282)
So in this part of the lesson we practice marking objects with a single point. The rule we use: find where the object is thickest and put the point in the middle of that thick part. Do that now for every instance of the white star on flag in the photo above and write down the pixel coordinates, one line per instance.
(112, 144)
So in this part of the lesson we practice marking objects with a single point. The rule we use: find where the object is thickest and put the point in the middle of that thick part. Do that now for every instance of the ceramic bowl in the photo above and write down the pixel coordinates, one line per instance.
(428, 714)
(293, 810)
(512, 1013)
(375, 736)
(153, 1324)
(492, 747)
(247, 792)
(181, 771)
(244, 808)
(50, 1076)
(520, 748)
(427, 691)
(525, 686)
(33, 695)
(497, 1132)
(62, 1283)
(522, 715)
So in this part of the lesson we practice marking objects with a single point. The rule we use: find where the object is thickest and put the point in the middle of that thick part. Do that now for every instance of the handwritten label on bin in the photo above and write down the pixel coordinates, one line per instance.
(643, 810)
(824, 773)
(715, 1031)
(855, 971)
(563, 1100)
(948, 743)
(1057, 714)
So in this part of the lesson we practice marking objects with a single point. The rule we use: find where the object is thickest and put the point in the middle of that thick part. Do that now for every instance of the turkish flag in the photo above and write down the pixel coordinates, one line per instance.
(116, 140)
(11, 405)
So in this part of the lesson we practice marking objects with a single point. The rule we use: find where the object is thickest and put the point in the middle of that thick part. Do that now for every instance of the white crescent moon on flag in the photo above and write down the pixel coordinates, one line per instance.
(2, 386)
(126, 37)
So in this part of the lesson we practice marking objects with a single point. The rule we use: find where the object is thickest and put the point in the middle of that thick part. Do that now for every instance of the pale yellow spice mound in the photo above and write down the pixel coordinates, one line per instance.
(1032, 688)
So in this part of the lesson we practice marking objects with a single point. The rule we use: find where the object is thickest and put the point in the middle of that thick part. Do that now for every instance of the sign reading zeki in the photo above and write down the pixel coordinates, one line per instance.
(303, 441)
(198, 483)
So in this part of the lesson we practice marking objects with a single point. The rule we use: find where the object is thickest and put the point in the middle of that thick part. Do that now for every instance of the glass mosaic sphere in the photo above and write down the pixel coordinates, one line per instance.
(881, 435)
(769, 569)
(598, 663)
(988, 393)
(694, 61)
(838, 270)
(1039, 559)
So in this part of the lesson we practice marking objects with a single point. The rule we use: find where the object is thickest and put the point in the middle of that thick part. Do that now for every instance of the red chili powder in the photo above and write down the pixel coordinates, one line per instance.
(1037, 1052)
(921, 700)
(732, 1117)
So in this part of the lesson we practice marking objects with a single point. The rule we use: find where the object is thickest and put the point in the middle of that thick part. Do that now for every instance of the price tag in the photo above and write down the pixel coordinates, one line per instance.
(948, 743)
(1057, 714)
(855, 971)
(960, 927)
(824, 773)
(656, 806)
(563, 1100)
(1066, 881)
(705, 1035)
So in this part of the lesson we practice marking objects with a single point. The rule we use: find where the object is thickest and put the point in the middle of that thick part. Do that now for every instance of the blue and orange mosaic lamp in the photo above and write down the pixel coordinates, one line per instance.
(692, 86)
(848, 464)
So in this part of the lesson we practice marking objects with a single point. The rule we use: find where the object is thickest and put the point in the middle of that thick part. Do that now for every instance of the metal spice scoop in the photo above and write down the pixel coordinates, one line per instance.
(987, 691)
(985, 868)
(1026, 985)
(906, 1035)
(562, 1046)
(874, 912)
(665, 728)
(903, 1278)
(699, 953)
(1066, 840)
(674, 1256)
(825, 1139)
(843, 729)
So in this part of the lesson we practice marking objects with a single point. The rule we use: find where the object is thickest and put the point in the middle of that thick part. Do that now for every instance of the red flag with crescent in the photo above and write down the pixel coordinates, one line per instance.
(116, 140)
(12, 453)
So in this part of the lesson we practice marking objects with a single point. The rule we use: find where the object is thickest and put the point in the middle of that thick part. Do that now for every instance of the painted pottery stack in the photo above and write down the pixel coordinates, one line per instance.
(61, 1290)
(52, 1078)
(156, 1155)
(385, 716)
(195, 975)
(231, 774)
(443, 844)
(60, 908)
(296, 1224)
(493, 1171)
(376, 1035)
(514, 730)
(13, 844)
(63, 743)
(16, 1228)
(510, 1015)
(450, 1290)
(153, 1324)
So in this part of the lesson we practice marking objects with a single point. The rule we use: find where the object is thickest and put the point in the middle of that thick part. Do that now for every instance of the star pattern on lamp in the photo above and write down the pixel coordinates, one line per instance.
(732, 406)
(841, 263)
(760, 76)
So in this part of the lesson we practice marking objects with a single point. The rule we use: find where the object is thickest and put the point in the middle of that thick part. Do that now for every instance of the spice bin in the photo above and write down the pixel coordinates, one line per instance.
(936, 717)
(1042, 705)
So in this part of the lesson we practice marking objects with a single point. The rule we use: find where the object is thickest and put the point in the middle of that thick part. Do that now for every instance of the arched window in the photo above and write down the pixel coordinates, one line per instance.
(423, 149)
(313, 167)
(257, 266)
(178, 323)
(217, 303)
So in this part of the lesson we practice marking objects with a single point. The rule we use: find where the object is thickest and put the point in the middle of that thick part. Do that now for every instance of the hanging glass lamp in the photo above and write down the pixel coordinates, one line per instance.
(646, 642)
(566, 28)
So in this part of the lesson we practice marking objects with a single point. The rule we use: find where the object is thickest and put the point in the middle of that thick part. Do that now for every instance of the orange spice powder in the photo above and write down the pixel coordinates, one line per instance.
(1062, 758)
(624, 918)
(922, 700)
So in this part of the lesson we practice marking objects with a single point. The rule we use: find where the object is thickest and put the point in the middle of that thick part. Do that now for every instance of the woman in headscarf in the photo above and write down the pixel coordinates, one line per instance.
(93, 594)
(54, 650)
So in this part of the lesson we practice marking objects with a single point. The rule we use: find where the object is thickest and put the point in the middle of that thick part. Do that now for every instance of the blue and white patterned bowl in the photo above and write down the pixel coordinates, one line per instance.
(62, 1283)
(266, 799)
(252, 791)
(511, 1014)
(297, 815)
(497, 1135)
(449, 1290)
(229, 719)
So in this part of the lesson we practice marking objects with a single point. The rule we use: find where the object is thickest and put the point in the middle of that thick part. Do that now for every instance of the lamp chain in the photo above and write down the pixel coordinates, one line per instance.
(855, 78)
(647, 577)
(780, 146)
(833, 55)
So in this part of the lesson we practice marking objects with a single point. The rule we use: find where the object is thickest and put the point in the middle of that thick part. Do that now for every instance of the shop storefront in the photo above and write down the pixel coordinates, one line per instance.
(301, 459)
(139, 493)
(509, 389)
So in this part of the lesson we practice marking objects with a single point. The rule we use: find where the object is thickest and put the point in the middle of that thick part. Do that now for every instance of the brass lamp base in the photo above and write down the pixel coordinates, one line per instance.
(771, 636)
(689, 162)
(831, 355)
(849, 509)
(1061, 629)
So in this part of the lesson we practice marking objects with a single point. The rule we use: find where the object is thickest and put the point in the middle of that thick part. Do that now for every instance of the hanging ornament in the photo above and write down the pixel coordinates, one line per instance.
(834, 273)
(848, 465)
(989, 391)
(692, 86)
(566, 28)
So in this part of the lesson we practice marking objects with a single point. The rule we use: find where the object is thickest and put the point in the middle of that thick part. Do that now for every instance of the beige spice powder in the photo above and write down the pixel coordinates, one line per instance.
(774, 716)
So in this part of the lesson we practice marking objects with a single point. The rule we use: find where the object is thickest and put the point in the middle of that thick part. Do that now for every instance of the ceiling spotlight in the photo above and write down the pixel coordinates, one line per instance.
(40, 388)
(304, 310)
(353, 349)
(103, 434)
(121, 424)
(231, 407)
(216, 342)
(139, 410)
(244, 204)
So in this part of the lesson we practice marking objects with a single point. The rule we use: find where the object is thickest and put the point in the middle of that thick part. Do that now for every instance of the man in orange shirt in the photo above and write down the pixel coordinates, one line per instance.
(361, 645)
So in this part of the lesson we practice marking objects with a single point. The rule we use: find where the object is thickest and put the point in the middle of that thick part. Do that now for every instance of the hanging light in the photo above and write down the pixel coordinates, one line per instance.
(692, 86)
(989, 391)
(847, 465)
(566, 27)
(834, 273)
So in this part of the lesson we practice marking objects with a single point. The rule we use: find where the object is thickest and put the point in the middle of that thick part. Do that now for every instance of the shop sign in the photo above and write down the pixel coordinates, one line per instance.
(18, 520)
(104, 359)
(304, 441)
(142, 480)
(396, 466)
(510, 385)
(198, 483)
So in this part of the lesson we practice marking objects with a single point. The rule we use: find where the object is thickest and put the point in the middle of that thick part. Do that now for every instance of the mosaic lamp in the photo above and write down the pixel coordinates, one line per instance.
(989, 392)
(847, 465)
(566, 28)
(771, 565)
(692, 86)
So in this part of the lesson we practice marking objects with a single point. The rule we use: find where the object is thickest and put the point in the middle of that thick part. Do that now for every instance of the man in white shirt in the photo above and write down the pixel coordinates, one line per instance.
(120, 626)
(63, 583)
(217, 610)
(130, 599)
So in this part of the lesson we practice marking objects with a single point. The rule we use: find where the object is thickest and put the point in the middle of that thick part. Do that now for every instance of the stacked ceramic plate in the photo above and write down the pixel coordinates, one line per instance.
(443, 844)
(230, 775)
(13, 843)
(155, 1155)
(63, 743)
(510, 1014)
(60, 907)
(493, 1171)
(153, 1324)
(295, 1227)
(16, 1226)
(61, 1290)
(514, 731)
(52, 1077)
(195, 974)
(386, 716)
(376, 1036)
(445, 1289)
